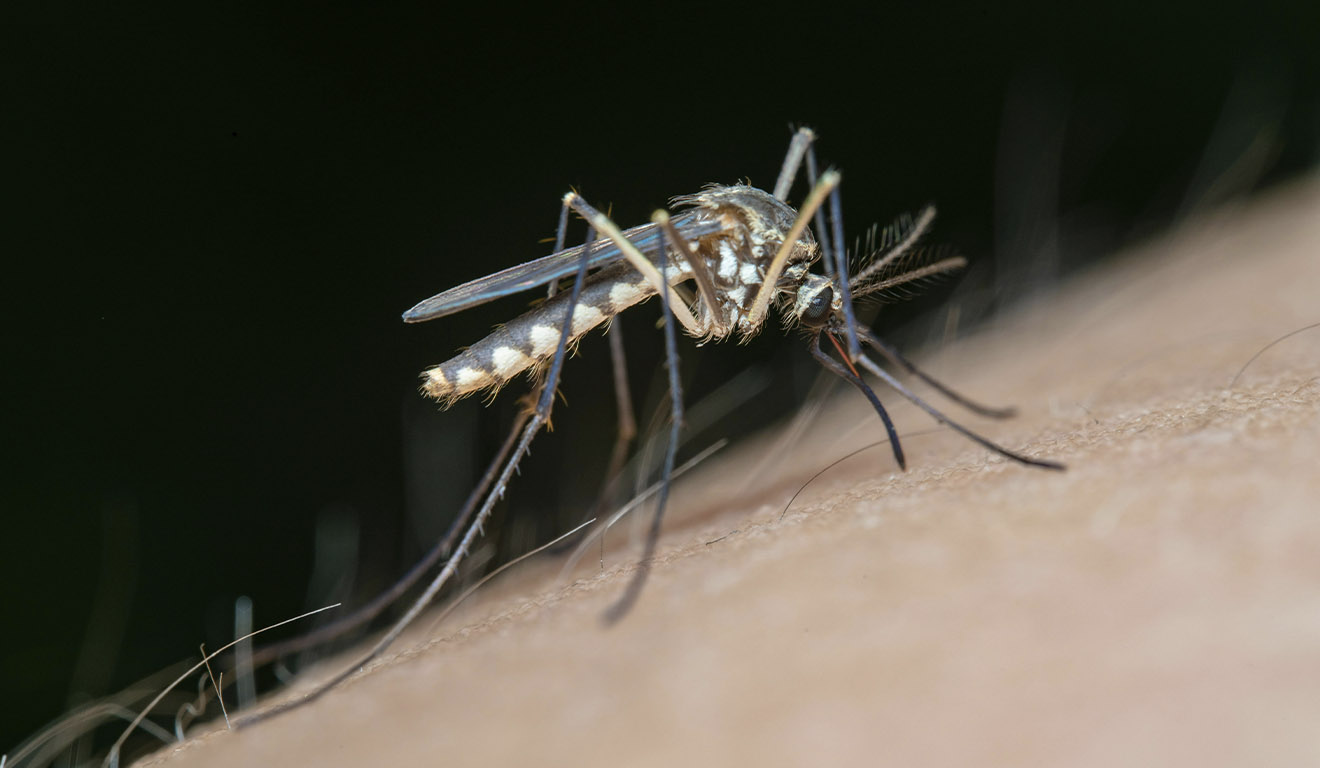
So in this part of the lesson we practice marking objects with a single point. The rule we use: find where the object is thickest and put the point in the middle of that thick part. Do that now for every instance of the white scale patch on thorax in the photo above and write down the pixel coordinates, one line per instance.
(728, 261)
(675, 271)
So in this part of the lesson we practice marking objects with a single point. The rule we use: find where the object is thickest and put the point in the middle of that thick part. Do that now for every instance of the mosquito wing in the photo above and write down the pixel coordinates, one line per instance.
(548, 268)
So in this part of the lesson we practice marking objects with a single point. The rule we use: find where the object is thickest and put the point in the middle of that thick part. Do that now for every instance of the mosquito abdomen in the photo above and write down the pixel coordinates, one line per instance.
(530, 340)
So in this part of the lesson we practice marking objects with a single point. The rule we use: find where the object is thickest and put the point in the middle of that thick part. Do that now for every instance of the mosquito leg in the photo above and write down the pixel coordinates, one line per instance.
(892, 354)
(841, 282)
(822, 234)
(835, 253)
(561, 232)
(623, 398)
(829, 364)
(870, 365)
(761, 304)
(601, 223)
(700, 271)
(792, 161)
(634, 589)
(627, 418)
(537, 420)
(439, 551)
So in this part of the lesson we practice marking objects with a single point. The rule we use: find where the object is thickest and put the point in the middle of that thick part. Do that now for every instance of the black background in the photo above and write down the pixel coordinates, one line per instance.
(215, 217)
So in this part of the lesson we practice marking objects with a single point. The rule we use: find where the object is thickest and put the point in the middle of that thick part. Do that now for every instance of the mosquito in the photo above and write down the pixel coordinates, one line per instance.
(720, 261)
(738, 251)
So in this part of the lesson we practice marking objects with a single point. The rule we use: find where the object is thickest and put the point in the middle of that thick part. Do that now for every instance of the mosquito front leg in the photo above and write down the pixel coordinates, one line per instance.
(828, 181)
(841, 282)
(835, 255)
(822, 234)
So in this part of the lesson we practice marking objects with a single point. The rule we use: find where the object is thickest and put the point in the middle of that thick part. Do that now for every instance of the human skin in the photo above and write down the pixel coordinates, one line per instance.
(1156, 603)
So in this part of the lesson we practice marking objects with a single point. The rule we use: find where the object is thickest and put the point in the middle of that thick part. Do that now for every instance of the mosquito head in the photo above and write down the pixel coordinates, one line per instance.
(816, 302)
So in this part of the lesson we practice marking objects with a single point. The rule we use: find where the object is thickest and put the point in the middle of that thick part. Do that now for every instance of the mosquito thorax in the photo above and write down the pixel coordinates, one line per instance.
(752, 226)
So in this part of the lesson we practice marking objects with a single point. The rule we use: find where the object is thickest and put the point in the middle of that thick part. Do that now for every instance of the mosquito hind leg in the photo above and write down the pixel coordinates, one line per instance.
(440, 550)
(538, 418)
(842, 283)
(627, 419)
(634, 589)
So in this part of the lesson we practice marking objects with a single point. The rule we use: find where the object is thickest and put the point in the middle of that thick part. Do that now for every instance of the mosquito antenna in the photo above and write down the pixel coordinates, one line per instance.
(884, 375)
(538, 419)
(634, 589)
(943, 266)
(850, 375)
(892, 354)
(923, 222)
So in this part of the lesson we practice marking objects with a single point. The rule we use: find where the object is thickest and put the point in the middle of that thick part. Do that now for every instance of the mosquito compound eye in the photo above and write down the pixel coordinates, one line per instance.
(818, 308)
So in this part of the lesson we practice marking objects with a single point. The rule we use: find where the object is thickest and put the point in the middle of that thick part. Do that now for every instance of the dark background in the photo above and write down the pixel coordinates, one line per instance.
(215, 218)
